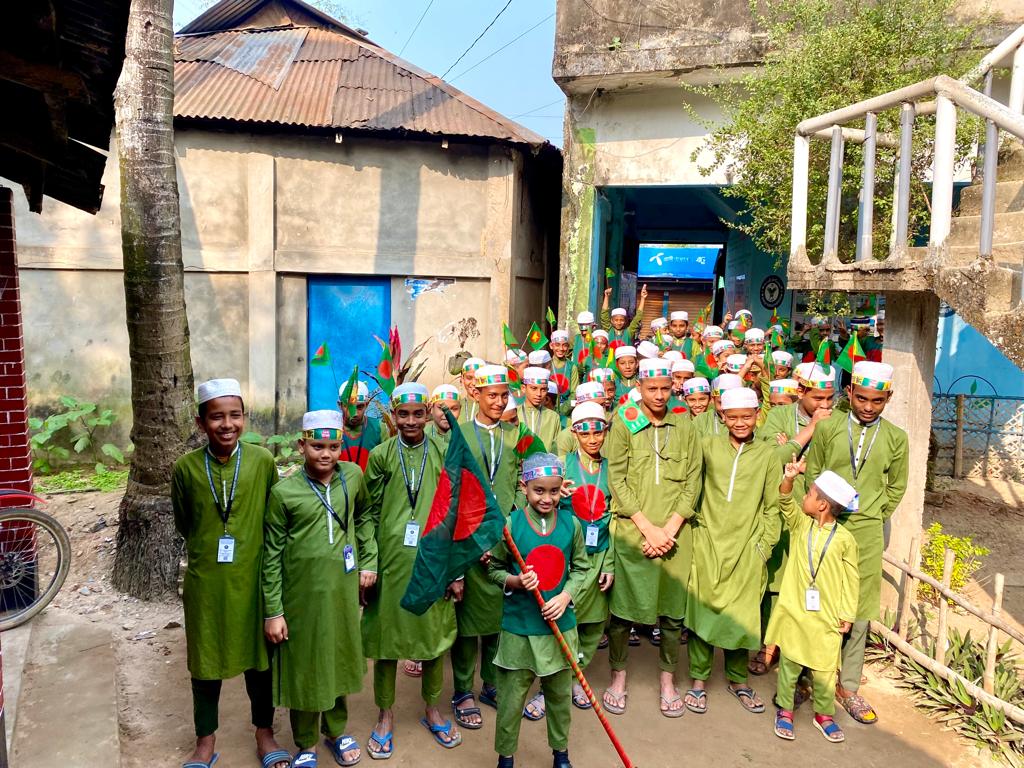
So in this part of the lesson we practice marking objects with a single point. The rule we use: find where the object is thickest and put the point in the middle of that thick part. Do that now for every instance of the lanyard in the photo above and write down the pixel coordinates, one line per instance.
(342, 522)
(598, 486)
(225, 501)
(860, 445)
(411, 490)
(492, 463)
(810, 556)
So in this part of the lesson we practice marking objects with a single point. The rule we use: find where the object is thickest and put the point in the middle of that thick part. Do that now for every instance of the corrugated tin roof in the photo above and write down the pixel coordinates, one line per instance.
(312, 76)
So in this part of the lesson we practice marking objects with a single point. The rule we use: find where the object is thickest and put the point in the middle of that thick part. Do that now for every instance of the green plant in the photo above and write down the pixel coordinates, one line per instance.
(966, 563)
(282, 446)
(77, 480)
(79, 428)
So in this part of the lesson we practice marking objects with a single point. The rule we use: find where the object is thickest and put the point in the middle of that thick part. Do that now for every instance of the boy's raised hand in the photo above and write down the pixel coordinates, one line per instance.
(568, 486)
(275, 629)
(794, 468)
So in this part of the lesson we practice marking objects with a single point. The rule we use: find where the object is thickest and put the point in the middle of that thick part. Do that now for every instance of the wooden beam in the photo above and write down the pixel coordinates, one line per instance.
(46, 78)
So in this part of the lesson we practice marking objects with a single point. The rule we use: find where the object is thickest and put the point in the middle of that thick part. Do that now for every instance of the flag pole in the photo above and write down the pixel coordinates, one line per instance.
(567, 652)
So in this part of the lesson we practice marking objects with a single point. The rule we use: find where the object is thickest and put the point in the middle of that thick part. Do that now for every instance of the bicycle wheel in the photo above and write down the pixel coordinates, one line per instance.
(35, 555)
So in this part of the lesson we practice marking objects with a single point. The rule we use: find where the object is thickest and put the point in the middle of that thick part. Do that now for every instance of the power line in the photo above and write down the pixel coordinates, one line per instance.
(537, 109)
(416, 27)
(506, 45)
(471, 45)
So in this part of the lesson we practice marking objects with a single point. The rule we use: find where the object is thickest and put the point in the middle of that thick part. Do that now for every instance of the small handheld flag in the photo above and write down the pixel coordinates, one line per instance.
(824, 357)
(350, 394)
(851, 353)
(528, 443)
(507, 337)
(386, 371)
(536, 338)
(609, 273)
(322, 356)
(552, 320)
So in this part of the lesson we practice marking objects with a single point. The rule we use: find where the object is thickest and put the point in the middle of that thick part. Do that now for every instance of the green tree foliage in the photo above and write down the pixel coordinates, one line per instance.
(823, 55)
(968, 560)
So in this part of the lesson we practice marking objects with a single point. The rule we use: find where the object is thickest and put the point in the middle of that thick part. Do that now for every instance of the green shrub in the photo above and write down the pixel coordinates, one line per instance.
(282, 446)
(968, 560)
(77, 480)
(80, 428)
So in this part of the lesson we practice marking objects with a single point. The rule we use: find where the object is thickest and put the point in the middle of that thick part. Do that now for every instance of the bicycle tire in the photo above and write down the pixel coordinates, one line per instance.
(63, 551)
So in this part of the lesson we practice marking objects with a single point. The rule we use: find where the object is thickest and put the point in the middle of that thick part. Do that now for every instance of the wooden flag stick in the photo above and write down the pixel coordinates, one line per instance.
(595, 704)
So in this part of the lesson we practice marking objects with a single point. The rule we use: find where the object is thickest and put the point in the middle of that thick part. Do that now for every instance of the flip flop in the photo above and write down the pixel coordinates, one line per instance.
(615, 709)
(437, 730)
(634, 638)
(340, 746)
(745, 696)
(381, 741)
(701, 696)
(413, 668)
(655, 637)
(537, 702)
(305, 759)
(271, 759)
(489, 696)
(214, 759)
(580, 700)
(460, 714)
(784, 725)
(761, 663)
(829, 728)
(673, 713)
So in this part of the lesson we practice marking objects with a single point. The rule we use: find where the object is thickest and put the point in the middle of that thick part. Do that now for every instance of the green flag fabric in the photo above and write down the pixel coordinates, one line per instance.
(552, 320)
(322, 356)
(851, 353)
(536, 338)
(824, 356)
(506, 335)
(464, 522)
(528, 443)
(386, 371)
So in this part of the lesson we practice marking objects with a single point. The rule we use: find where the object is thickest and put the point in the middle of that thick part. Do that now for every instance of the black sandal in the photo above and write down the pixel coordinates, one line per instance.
(460, 714)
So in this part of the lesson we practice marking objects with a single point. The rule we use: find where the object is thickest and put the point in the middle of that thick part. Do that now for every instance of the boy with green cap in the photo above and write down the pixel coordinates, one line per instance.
(619, 331)
(443, 396)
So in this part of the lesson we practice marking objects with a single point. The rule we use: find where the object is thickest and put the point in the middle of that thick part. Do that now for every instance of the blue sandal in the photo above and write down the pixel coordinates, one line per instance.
(305, 759)
(271, 759)
(489, 696)
(829, 729)
(446, 729)
(537, 702)
(340, 746)
(214, 759)
(784, 724)
(381, 741)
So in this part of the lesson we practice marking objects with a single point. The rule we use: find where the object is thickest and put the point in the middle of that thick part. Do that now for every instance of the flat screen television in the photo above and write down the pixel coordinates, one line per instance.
(681, 262)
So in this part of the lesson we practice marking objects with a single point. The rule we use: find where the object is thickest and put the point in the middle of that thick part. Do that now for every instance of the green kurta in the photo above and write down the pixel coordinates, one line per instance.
(479, 611)
(655, 471)
(627, 335)
(356, 447)
(733, 534)
(390, 631)
(812, 638)
(441, 437)
(881, 482)
(304, 580)
(687, 345)
(543, 422)
(469, 411)
(709, 423)
(590, 503)
(623, 386)
(223, 602)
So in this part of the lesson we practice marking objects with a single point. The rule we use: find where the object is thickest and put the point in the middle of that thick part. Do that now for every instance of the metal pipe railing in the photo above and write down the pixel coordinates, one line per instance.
(903, 180)
(991, 60)
(866, 212)
(835, 192)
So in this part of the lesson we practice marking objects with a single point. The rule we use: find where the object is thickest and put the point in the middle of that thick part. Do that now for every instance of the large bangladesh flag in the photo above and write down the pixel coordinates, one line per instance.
(464, 522)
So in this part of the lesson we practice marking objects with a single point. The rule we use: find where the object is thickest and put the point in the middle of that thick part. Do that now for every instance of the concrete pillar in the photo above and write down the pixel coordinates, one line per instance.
(496, 247)
(262, 294)
(911, 324)
(578, 198)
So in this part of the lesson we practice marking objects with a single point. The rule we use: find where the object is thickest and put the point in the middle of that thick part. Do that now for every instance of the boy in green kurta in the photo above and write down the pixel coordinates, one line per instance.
(818, 600)
(443, 396)
(219, 496)
(621, 332)
(550, 540)
(870, 453)
(710, 422)
(679, 337)
(735, 529)
(587, 392)
(697, 396)
(533, 412)
(470, 407)
(493, 444)
(362, 432)
(564, 371)
(654, 468)
(317, 526)
(626, 362)
(401, 478)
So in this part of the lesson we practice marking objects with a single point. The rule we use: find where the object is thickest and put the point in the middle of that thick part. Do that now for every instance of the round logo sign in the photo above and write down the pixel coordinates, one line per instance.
(773, 290)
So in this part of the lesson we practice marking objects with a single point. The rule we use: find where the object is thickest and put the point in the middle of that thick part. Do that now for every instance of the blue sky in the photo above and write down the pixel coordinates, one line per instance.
(515, 81)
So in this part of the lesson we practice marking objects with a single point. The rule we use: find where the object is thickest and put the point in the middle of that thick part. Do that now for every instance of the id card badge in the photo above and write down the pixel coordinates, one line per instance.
(812, 599)
(350, 558)
(226, 549)
(412, 534)
(591, 537)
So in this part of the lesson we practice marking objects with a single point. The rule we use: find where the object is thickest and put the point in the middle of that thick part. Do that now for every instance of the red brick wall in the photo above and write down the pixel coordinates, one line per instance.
(15, 456)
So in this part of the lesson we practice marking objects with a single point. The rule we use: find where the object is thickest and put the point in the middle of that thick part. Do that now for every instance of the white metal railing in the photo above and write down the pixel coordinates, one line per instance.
(941, 96)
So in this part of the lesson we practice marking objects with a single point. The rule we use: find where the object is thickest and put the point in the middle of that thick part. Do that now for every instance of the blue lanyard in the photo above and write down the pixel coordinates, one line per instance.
(342, 523)
(224, 505)
(864, 430)
(810, 555)
(492, 466)
(411, 491)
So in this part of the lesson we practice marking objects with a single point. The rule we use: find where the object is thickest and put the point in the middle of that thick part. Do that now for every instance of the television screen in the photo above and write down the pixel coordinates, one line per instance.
(686, 262)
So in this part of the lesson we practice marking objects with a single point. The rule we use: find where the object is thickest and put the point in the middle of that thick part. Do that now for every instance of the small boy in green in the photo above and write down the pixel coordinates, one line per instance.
(317, 523)
(362, 432)
(818, 600)
(552, 544)
(443, 396)
(219, 497)
(533, 412)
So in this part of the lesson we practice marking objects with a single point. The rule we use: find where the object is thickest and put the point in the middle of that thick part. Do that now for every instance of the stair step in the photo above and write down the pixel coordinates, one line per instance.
(1009, 198)
(978, 289)
(1009, 255)
(1011, 161)
(1008, 228)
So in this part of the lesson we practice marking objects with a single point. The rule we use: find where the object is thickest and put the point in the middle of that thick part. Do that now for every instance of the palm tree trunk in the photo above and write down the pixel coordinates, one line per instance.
(148, 548)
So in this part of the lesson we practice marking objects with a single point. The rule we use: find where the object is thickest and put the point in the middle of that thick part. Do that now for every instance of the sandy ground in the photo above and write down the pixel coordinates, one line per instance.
(154, 701)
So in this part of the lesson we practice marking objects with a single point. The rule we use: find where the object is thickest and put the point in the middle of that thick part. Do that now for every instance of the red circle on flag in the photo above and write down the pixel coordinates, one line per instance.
(548, 563)
(616, 344)
(631, 413)
(588, 502)
(384, 369)
(561, 381)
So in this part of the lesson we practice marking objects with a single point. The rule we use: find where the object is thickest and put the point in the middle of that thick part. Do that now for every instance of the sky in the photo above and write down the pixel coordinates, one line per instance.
(515, 81)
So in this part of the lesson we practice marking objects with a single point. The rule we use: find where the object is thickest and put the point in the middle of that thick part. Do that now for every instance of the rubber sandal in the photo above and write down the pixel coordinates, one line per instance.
(634, 638)
(829, 729)
(305, 759)
(859, 709)
(437, 730)
(214, 759)
(615, 709)
(655, 637)
(580, 700)
(745, 696)
(413, 668)
(538, 704)
(489, 696)
(382, 742)
(506, 761)
(761, 663)
(673, 713)
(460, 714)
(271, 759)
(784, 725)
(602, 643)
(340, 746)
(699, 696)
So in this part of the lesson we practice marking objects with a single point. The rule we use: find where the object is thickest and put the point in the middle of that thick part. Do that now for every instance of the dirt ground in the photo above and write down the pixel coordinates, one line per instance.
(155, 703)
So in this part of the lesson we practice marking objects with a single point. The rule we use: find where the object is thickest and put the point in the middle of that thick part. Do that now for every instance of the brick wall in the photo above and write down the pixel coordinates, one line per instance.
(15, 456)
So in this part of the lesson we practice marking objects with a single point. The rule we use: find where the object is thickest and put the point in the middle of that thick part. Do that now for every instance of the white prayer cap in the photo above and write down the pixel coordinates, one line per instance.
(601, 375)
(322, 420)
(536, 376)
(539, 357)
(215, 388)
(413, 392)
(713, 332)
(625, 351)
(491, 376)
(511, 405)
(618, 312)
(744, 312)
(696, 384)
(735, 363)
(672, 355)
(802, 370)
(589, 390)
(679, 315)
(362, 392)
(754, 335)
(732, 324)
(739, 398)
(590, 411)
(515, 356)
(683, 366)
(646, 349)
(777, 328)
(444, 393)
(815, 377)
(600, 334)
(658, 322)
(872, 375)
(559, 335)
(721, 346)
(472, 364)
(725, 382)
(552, 388)
(785, 387)
(654, 368)
(781, 357)
(585, 318)
(837, 490)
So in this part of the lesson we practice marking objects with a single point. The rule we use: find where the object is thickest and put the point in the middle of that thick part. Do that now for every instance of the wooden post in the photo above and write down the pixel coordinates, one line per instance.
(958, 443)
(940, 633)
(988, 680)
(909, 592)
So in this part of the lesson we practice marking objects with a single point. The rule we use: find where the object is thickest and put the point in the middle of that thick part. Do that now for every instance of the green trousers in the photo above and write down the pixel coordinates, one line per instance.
(464, 655)
(515, 685)
(668, 651)
(385, 671)
(702, 654)
(206, 702)
(589, 637)
(824, 686)
(306, 726)
(852, 664)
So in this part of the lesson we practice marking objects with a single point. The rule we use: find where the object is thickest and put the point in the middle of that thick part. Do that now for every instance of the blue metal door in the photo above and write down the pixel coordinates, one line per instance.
(344, 311)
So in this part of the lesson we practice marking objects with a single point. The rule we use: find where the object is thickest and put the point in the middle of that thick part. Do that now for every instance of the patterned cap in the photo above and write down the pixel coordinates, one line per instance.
(589, 412)
(601, 375)
(536, 376)
(600, 334)
(515, 356)
(445, 393)
(559, 335)
(814, 377)
(713, 332)
(658, 322)
(785, 387)
(413, 392)
(590, 390)
(472, 364)
(654, 368)
(725, 382)
(720, 346)
(695, 385)
(781, 357)
(872, 375)
(542, 465)
(735, 363)
(362, 392)
(492, 376)
(322, 425)
(754, 336)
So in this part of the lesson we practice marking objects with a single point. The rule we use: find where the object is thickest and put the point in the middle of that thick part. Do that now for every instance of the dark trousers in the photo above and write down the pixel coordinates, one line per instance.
(206, 702)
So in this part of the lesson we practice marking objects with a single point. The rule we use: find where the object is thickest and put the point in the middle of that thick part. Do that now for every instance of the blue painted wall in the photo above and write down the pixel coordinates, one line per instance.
(965, 359)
